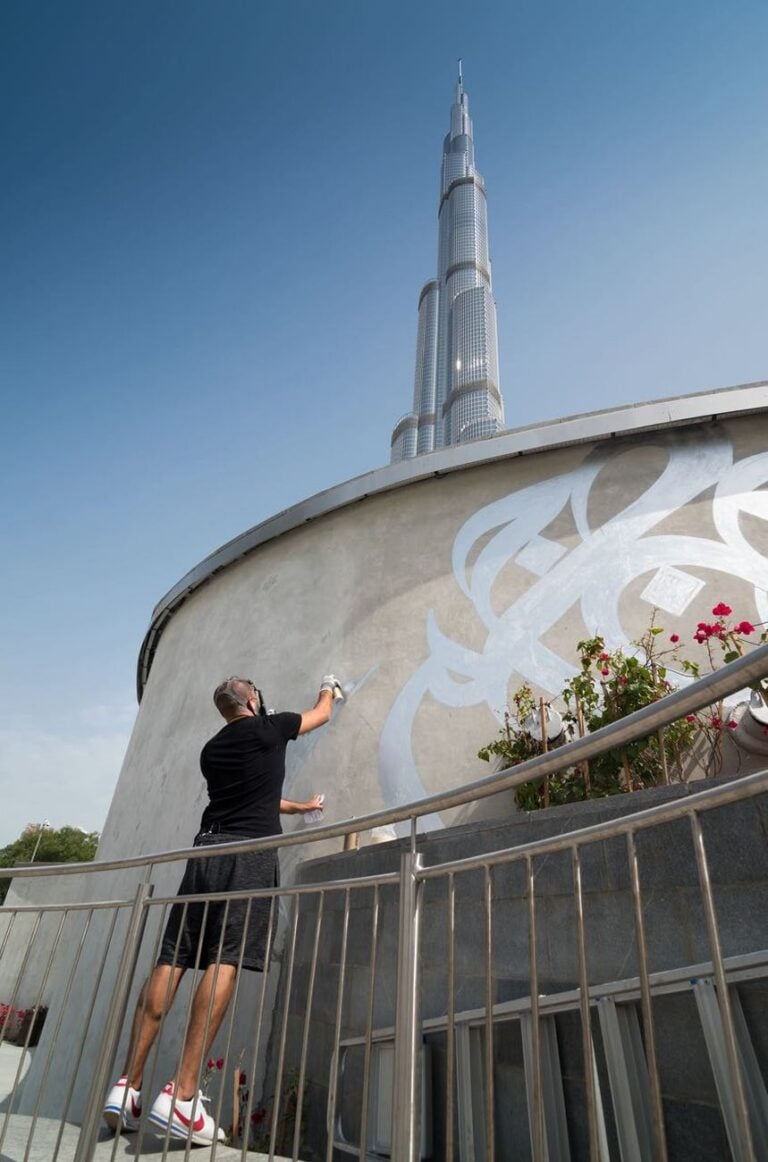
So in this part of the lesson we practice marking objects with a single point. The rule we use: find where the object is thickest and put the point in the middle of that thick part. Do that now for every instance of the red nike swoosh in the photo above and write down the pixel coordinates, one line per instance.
(196, 1126)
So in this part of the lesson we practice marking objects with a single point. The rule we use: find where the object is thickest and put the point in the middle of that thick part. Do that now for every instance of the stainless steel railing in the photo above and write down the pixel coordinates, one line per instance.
(358, 958)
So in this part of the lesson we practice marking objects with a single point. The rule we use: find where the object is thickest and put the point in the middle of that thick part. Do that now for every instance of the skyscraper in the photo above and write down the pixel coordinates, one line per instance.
(456, 396)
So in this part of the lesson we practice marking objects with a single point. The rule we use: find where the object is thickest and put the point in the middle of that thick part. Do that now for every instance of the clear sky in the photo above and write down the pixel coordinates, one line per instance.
(215, 219)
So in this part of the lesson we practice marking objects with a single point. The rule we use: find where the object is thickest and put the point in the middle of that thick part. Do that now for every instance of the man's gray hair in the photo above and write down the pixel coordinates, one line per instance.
(232, 694)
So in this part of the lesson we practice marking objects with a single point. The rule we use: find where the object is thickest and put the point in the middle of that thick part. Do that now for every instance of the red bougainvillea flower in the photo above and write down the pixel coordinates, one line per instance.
(210, 1064)
(745, 627)
(717, 722)
(722, 610)
(674, 637)
(220, 1063)
(731, 724)
(700, 636)
(605, 657)
(690, 718)
(605, 671)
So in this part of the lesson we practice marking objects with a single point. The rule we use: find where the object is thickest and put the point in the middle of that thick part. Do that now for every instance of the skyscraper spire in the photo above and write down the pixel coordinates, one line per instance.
(456, 396)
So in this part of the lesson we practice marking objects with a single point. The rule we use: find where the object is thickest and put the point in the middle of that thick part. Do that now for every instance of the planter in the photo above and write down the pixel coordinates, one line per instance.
(21, 1026)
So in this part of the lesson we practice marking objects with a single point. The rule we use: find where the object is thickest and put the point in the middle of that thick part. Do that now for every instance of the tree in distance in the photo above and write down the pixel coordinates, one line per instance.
(43, 844)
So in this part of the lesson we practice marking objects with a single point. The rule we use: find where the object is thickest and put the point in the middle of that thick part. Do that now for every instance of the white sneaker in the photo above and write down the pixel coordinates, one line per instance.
(122, 1111)
(186, 1119)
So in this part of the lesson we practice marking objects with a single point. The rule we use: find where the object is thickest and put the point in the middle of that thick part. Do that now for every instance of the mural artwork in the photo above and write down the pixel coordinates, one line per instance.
(593, 573)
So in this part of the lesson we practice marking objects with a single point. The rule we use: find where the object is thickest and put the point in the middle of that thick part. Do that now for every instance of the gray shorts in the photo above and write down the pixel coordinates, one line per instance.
(193, 938)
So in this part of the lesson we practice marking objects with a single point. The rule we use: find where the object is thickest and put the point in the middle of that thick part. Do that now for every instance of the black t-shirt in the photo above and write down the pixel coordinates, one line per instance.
(244, 767)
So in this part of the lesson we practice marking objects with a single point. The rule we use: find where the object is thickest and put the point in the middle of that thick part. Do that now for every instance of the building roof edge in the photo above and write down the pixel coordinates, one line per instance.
(590, 427)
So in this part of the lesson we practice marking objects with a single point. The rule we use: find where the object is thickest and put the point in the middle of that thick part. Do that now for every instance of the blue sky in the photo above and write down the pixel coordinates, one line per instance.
(215, 219)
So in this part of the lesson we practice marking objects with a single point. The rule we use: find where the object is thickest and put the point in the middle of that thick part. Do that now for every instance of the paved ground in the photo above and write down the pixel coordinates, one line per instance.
(43, 1148)
(10, 1056)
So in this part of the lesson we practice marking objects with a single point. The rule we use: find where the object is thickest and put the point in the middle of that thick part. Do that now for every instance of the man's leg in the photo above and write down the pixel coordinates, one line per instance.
(213, 993)
(156, 998)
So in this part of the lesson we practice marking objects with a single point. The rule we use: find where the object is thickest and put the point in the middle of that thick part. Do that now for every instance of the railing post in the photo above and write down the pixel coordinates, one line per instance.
(406, 1097)
(113, 1025)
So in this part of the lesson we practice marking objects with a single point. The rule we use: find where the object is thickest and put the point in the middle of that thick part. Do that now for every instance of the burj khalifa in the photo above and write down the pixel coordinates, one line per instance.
(456, 395)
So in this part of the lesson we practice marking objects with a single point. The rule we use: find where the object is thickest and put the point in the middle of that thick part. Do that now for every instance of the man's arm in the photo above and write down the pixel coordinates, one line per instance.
(319, 714)
(288, 807)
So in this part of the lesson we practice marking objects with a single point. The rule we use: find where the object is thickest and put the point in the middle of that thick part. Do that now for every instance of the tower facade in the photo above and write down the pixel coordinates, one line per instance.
(456, 395)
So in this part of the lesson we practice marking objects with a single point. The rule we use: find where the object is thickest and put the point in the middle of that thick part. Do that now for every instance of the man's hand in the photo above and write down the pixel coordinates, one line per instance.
(288, 807)
(332, 683)
(321, 711)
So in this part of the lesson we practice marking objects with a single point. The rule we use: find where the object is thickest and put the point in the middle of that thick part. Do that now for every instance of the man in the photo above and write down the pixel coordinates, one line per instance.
(244, 768)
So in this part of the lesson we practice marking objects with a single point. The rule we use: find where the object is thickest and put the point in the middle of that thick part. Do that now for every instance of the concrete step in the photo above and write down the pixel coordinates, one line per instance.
(47, 1130)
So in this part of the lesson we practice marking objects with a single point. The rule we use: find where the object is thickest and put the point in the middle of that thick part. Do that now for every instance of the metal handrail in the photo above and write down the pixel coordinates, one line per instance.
(711, 688)
(348, 899)
(745, 787)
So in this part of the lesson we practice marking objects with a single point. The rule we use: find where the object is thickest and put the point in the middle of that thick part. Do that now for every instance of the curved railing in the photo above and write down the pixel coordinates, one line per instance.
(649, 720)
(457, 919)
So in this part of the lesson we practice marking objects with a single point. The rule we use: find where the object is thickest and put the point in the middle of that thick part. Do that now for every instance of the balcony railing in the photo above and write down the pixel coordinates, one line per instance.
(522, 1001)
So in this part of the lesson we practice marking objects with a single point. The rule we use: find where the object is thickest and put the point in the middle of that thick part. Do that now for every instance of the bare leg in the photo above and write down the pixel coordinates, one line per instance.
(155, 998)
(214, 992)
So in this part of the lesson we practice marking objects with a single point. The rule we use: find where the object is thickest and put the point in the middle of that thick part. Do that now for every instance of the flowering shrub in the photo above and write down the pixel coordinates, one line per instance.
(255, 1126)
(212, 1065)
(611, 685)
(21, 1026)
(261, 1121)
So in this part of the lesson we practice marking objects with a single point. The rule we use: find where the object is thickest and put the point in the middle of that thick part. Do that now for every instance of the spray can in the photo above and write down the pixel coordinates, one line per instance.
(316, 815)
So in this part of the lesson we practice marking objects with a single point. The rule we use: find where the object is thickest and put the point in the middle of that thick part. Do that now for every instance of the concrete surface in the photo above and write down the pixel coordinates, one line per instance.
(47, 1130)
(10, 1058)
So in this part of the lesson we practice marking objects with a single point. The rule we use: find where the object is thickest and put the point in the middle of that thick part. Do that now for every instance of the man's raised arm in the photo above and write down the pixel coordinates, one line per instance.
(321, 711)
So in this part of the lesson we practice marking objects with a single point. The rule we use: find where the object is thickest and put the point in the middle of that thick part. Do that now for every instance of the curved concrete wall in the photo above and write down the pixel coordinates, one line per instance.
(432, 589)
(433, 596)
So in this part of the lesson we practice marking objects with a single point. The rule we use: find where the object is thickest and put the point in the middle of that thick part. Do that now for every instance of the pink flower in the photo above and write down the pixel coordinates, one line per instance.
(605, 671)
(674, 637)
(605, 657)
(690, 718)
(717, 722)
(722, 610)
(220, 1063)
(745, 627)
(731, 724)
(700, 636)
(210, 1064)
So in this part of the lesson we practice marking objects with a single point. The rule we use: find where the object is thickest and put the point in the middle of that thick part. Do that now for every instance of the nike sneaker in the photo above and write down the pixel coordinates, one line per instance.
(122, 1110)
(186, 1119)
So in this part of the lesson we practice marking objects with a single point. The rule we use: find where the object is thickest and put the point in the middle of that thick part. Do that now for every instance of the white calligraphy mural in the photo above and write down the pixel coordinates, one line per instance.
(593, 573)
